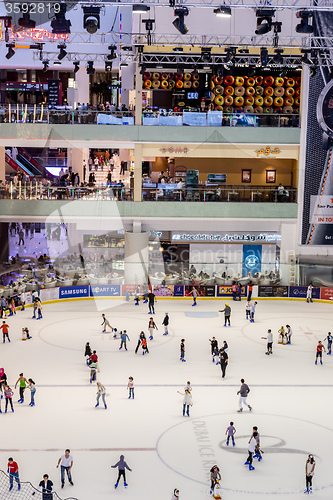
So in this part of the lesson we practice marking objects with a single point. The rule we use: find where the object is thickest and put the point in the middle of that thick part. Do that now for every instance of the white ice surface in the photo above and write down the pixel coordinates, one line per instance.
(291, 399)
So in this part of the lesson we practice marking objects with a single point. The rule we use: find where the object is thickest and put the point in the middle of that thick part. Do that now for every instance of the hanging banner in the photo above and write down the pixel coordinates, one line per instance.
(252, 255)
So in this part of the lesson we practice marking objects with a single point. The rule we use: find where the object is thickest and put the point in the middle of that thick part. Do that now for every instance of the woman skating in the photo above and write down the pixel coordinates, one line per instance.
(309, 472)
(100, 392)
(214, 477)
(31, 386)
(187, 401)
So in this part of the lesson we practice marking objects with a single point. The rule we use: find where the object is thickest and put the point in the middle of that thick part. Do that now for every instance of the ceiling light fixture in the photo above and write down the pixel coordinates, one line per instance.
(45, 65)
(62, 51)
(26, 22)
(76, 66)
(149, 23)
(11, 51)
(140, 8)
(112, 55)
(90, 68)
(61, 25)
(179, 22)
(264, 21)
(223, 11)
(91, 19)
(263, 57)
(304, 26)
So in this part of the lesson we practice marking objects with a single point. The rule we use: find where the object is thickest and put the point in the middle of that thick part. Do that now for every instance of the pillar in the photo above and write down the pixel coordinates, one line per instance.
(82, 86)
(75, 157)
(138, 95)
(136, 257)
(127, 82)
(138, 172)
(4, 250)
(2, 163)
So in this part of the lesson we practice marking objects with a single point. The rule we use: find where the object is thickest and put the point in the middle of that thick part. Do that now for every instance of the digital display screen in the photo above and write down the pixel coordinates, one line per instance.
(192, 95)
(217, 178)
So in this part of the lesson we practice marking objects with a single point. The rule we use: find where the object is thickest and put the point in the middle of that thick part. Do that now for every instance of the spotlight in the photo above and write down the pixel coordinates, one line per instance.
(263, 56)
(90, 68)
(304, 26)
(278, 59)
(277, 29)
(11, 51)
(112, 55)
(76, 66)
(26, 22)
(149, 23)
(140, 8)
(61, 25)
(305, 57)
(62, 51)
(91, 19)
(229, 58)
(206, 55)
(179, 23)
(108, 66)
(45, 65)
(223, 11)
(264, 21)
(8, 24)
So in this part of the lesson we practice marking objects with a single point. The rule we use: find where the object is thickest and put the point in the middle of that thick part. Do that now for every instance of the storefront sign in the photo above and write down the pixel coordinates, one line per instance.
(174, 150)
(105, 291)
(267, 151)
(326, 293)
(68, 292)
(300, 292)
(226, 291)
(272, 291)
(229, 238)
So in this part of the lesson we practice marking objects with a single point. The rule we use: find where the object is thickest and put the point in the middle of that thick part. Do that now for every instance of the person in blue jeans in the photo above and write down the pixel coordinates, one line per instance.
(122, 465)
(66, 462)
(230, 432)
(123, 337)
(12, 469)
(31, 386)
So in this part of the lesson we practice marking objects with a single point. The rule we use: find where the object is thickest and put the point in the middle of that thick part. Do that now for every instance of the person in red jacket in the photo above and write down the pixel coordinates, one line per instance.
(319, 353)
(12, 469)
(4, 327)
(93, 358)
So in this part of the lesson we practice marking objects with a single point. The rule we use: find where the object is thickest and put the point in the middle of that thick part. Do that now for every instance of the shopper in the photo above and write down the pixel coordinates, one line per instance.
(319, 353)
(309, 473)
(47, 488)
(243, 393)
(100, 392)
(223, 361)
(66, 464)
(12, 469)
(230, 433)
(165, 323)
(122, 465)
(227, 314)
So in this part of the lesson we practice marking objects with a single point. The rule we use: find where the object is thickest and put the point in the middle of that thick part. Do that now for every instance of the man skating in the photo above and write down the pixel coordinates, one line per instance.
(66, 464)
(151, 302)
(227, 313)
(223, 361)
(165, 323)
(319, 353)
(243, 393)
(269, 339)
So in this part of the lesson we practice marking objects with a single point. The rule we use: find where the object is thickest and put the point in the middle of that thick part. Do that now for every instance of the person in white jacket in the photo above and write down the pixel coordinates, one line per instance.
(252, 447)
(187, 401)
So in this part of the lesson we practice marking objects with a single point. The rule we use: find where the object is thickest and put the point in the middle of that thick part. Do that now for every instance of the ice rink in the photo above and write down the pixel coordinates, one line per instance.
(291, 399)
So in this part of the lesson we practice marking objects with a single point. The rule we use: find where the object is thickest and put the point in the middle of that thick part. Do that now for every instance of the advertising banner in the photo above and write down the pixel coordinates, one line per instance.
(272, 291)
(226, 291)
(48, 294)
(179, 290)
(69, 292)
(203, 291)
(300, 292)
(326, 293)
(252, 255)
(105, 290)
(163, 290)
(143, 289)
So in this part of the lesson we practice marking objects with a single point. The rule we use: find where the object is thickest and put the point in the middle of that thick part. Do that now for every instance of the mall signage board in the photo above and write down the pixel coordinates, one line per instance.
(237, 237)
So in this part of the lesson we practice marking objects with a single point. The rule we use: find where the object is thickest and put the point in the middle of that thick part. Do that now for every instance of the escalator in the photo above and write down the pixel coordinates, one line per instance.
(18, 166)
(24, 158)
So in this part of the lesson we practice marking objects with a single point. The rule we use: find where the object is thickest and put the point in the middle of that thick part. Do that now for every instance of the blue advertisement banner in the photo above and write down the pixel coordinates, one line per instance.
(105, 291)
(226, 291)
(251, 259)
(300, 292)
(68, 292)
(178, 291)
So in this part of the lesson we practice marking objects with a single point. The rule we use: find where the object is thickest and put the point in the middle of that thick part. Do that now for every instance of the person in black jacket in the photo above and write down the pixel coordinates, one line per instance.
(223, 361)
(141, 337)
(213, 344)
(47, 487)
(165, 323)
(151, 302)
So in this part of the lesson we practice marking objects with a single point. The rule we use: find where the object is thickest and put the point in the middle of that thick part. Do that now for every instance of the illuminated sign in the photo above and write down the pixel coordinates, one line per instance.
(228, 238)
(35, 34)
(174, 150)
(267, 151)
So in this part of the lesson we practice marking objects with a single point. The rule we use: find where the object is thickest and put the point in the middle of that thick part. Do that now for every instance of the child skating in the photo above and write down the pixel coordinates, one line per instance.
(248, 309)
(122, 465)
(309, 472)
(182, 350)
(269, 339)
(253, 310)
(9, 397)
(144, 346)
(230, 433)
(215, 477)
(151, 327)
(251, 449)
(319, 353)
(5, 328)
(123, 337)
(130, 387)
(187, 401)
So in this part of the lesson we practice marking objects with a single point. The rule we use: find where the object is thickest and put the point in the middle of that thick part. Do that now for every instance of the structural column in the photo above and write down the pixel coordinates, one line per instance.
(75, 157)
(82, 86)
(136, 258)
(2, 163)
(138, 172)
(138, 95)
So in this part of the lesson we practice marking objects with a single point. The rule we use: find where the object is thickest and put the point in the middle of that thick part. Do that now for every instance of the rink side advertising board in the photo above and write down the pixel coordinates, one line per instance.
(203, 290)
(105, 290)
(226, 291)
(69, 292)
(326, 293)
(300, 292)
(272, 291)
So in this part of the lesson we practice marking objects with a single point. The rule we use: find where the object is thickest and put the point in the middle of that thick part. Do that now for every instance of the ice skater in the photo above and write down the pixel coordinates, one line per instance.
(253, 310)
(144, 346)
(165, 323)
(100, 392)
(319, 353)
(39, 309)
(187, 401)
(124, 337)
(230, 433)
(225, 346)
(130, 387)
(151, 302)
(47, 488)
(12, 469)
(214, 346)
(182, 350)
(137, 296)
(32, 386)
(87, 352)
(4, 327)
(66, 465)
(93, 371)
(122, 465)
(243, 393)
(22, 381)
(214, 477)
(9, 397)
(223, 361)
(175, 495)
(194, 294)
(329, 339)
(151, 327)
(35, 308)
(216, 355)
(251, 449)
(289, 334)
(248, 309)
(269, 339)
(227, 314)
(141, 337)
(258, 451)
(309, 472)
(105, 323)
(282, 334)
(309, 293)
